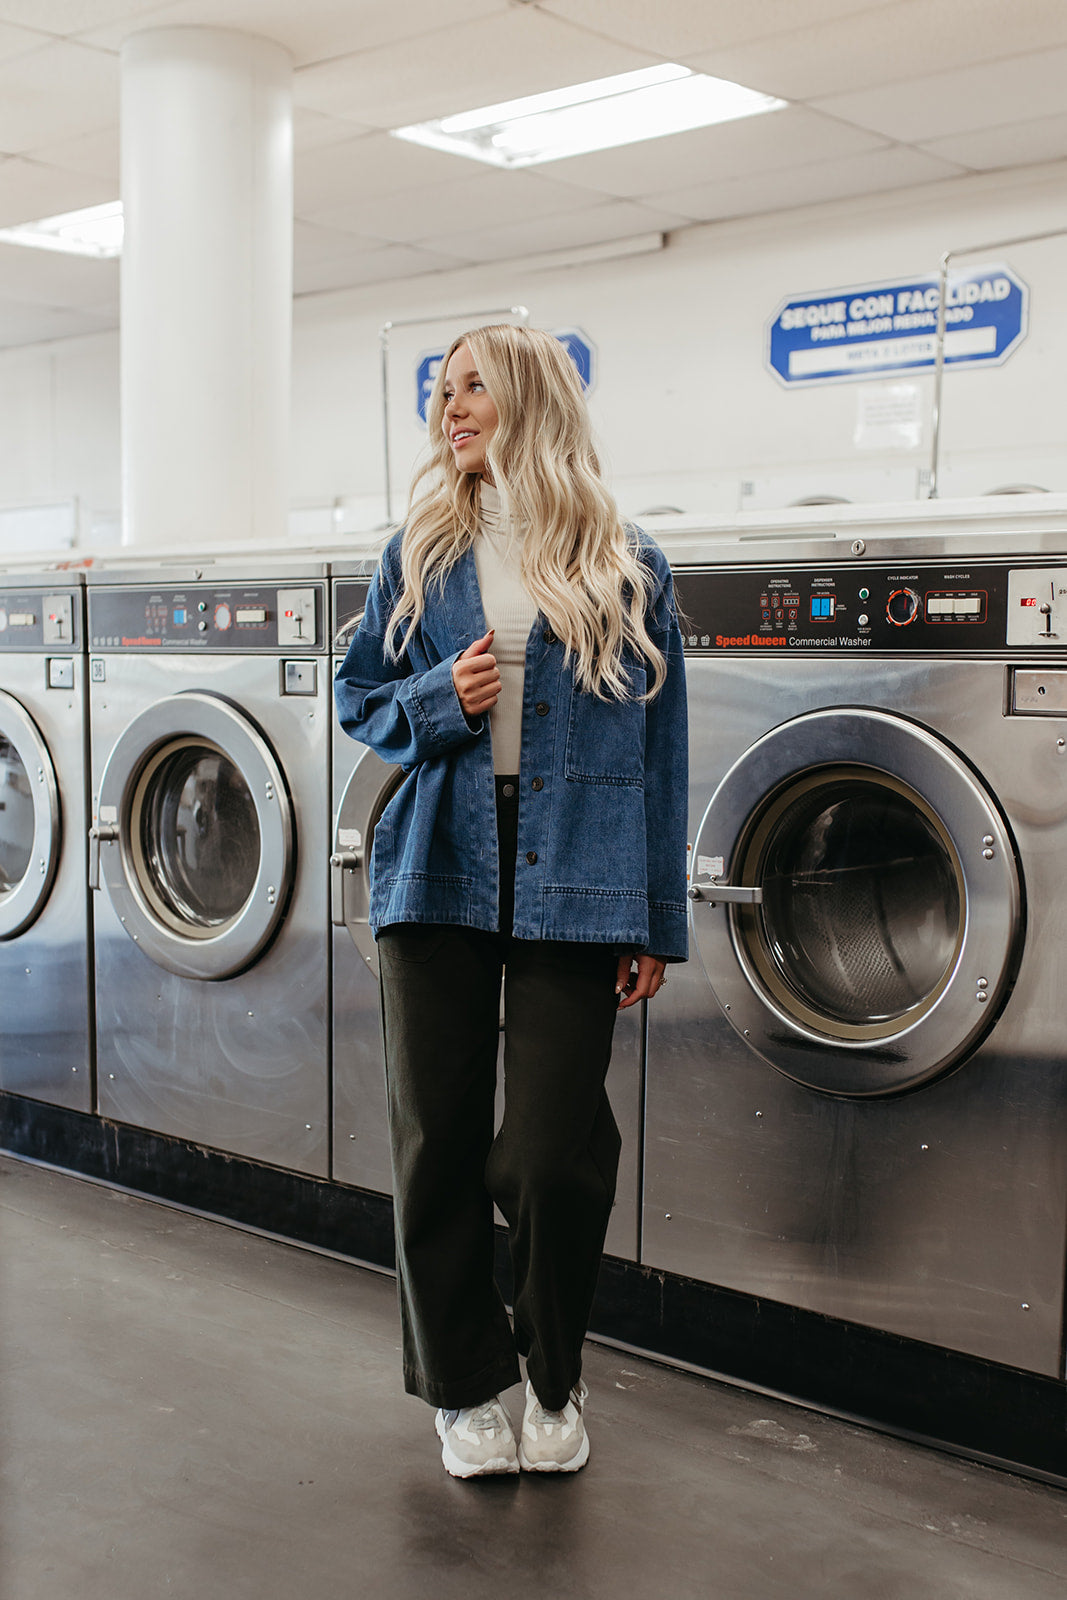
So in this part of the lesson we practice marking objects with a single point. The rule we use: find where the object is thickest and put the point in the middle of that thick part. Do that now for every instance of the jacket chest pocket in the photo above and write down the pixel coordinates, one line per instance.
(606, 738)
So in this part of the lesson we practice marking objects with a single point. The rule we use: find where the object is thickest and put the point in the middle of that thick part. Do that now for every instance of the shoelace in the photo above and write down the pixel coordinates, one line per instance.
(542, 1417)
(485, 1420)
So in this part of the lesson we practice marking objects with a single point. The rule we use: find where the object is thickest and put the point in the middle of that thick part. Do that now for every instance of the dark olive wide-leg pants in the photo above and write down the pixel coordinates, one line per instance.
(550, 1168)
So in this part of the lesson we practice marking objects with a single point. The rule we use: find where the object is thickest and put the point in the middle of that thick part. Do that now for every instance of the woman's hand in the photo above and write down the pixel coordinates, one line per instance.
(642, 984)
(476, 677)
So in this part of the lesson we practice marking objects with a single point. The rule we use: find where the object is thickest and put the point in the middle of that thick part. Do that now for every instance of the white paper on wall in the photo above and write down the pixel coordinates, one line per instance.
(888, 417)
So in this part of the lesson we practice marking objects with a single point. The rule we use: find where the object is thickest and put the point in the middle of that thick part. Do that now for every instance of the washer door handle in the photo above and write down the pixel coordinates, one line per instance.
(103, 833)
(341, 861)
(712, 892)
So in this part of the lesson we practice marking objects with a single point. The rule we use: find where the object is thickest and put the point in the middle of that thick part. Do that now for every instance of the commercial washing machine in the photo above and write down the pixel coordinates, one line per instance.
(46, 1023)
(362, 787)
(857, 1096)
(210, 708)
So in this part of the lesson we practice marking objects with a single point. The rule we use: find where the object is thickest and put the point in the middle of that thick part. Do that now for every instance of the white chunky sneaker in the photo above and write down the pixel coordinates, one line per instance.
(554, 1441)
(477, 1441)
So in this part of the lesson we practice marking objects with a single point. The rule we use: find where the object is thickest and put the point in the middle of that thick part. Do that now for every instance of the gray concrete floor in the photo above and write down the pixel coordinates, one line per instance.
(193, 1411)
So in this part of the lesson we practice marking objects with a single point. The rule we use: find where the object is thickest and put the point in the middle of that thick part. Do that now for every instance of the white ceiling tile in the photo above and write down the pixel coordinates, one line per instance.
(29, 190)
(487, 198)
(56, 93)
(313, 243)
(314, 132)
(338, 174)
(52, 278)
(776, 139)
(96, 155)
(1020, 144)
(312, 30)
(911, 38)
(1014, 90)
(675, 28)
(460, 67)
(19, 41)
(870, 173)
(74, 16)
(615, 219)
(384, 265)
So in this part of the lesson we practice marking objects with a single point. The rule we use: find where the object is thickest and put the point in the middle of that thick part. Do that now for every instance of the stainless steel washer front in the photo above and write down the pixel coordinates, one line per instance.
(46, 1012)
(857, 1088)
(211, 712)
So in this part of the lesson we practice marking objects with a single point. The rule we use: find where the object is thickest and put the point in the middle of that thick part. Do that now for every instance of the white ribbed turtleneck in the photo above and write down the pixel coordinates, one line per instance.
(510, 610)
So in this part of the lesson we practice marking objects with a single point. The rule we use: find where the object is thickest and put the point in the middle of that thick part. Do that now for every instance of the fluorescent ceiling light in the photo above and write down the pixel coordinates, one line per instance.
(96, 231)
(625, 109)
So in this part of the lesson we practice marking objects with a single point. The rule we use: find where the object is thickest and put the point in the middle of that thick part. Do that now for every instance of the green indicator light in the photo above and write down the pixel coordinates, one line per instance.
(865, 594)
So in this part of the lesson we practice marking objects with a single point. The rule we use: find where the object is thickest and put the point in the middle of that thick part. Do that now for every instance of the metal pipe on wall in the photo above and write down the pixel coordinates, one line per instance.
(939, 354)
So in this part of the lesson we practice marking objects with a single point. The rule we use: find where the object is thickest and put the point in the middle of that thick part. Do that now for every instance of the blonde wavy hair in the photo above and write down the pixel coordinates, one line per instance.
(579, 564)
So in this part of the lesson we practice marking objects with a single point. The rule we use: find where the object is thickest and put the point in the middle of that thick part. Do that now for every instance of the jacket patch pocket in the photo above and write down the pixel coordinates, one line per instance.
(606, 738)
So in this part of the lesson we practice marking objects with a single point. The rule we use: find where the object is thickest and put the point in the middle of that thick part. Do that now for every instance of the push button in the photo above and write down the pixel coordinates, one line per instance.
(508, 791)
(538, 784)
(541, 708)
(531, 858)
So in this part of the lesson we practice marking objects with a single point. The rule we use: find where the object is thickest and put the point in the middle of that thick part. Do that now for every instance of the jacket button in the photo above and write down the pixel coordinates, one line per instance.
(548, 636)
(538, 784)
(541, 708)
(531, 857)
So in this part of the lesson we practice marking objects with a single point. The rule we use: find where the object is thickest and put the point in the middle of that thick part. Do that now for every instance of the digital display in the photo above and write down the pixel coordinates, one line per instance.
(822, 607)
(179, 616)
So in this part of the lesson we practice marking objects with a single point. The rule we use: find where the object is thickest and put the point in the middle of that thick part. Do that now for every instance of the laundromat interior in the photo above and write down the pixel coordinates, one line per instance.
(823, 338)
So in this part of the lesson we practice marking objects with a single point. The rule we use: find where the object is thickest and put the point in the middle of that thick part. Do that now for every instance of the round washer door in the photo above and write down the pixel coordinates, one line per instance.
(873, 920)
(196, 836)
(29, 819)
(367, 793)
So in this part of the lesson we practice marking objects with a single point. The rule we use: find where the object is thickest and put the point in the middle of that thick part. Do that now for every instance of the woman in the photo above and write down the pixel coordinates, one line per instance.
(519, 657)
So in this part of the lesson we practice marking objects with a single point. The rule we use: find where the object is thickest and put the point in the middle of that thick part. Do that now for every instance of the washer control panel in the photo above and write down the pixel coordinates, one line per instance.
(925, 606)
(238, 618)
(34, 620)
(349, 599)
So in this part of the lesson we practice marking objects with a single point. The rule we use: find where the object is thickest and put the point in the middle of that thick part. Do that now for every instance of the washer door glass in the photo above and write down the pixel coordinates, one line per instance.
(862, 913)
(16, 818)
(199, 837)
(873, 922)
(29, 819)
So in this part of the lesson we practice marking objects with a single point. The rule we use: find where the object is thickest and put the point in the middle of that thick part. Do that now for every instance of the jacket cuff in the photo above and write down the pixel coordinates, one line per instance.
(436, 703)
(668, 931)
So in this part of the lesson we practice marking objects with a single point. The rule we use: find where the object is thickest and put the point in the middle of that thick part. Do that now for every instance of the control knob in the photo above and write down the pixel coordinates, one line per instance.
(902, 607)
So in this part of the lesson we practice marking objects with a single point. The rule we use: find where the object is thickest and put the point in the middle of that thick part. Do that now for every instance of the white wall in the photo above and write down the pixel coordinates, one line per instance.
(684, 408)
(59, 436)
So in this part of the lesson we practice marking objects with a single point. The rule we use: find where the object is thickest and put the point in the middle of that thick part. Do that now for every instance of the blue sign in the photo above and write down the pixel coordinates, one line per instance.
(578, 346)
(866, 332)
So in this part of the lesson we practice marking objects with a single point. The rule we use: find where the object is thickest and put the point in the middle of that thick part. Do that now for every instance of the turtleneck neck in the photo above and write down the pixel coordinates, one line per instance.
(494, 508)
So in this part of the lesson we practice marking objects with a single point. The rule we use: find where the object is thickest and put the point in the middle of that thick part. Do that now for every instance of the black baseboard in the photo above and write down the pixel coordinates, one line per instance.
(1001, 1414)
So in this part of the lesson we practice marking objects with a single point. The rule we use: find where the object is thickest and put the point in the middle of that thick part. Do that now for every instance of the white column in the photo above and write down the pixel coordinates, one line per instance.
(207, 189)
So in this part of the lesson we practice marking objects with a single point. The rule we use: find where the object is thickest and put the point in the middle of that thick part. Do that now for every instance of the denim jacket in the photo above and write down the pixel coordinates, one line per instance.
(603, 783)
